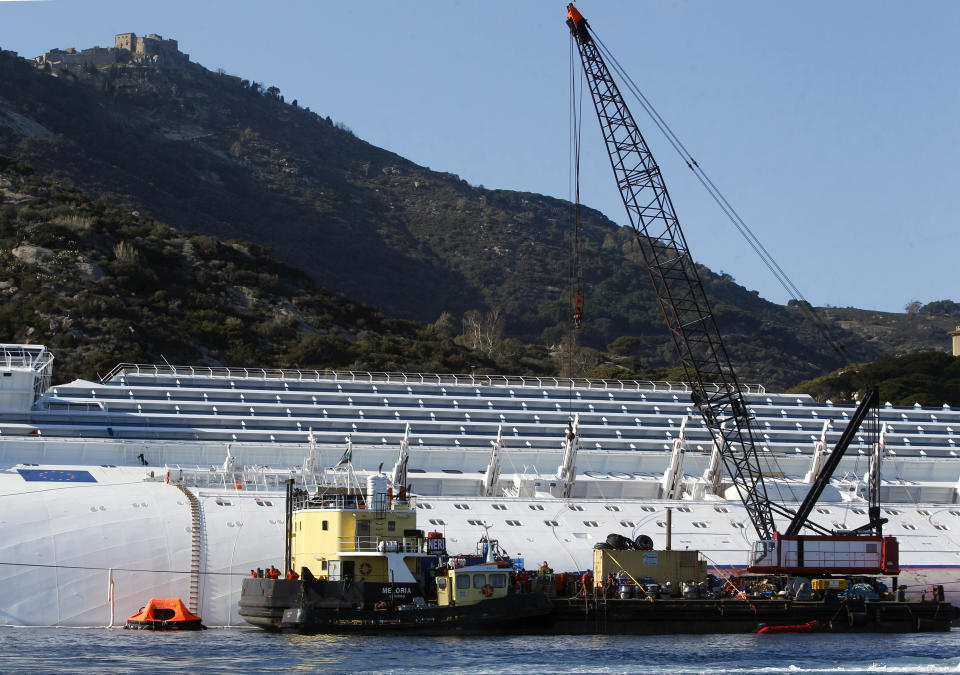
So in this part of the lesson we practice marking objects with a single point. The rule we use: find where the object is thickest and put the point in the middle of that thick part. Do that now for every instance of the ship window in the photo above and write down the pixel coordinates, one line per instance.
(591, 523)
(938, 526)
(871, 548)
(451, 470)
(684, 509)
(699, 524)
(660, 523)
(923, 512)
(536, 507)
(222, 502)
(891, 512)
(499, 507)
(627, 523)
(391, 526)
(475, 522)
(424, 505)
(721, 509)
(479, 580)
(498, 580)
(462, 507)
(323, 525)
(551, 523)
(648, 509)
(859, 512)
(909, 526)
(954, 512)
(823, 510)
(463, 581)
(442, 583)
(437, 521)
(260, 502)
(574, 507)
(611, 507)
(737, 525)
(514, 523)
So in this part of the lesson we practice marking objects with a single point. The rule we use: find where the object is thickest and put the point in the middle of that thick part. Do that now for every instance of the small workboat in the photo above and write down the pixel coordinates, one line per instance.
(164, 614)
(808, 627)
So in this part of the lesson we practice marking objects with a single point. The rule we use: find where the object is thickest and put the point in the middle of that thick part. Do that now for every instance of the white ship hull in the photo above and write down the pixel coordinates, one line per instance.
(88, 533)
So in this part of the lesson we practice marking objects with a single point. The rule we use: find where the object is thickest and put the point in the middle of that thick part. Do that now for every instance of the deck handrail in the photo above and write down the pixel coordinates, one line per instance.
(121, 370)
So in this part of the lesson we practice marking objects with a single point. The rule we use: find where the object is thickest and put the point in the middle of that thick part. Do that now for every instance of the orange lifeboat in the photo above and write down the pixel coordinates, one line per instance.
(164, 614)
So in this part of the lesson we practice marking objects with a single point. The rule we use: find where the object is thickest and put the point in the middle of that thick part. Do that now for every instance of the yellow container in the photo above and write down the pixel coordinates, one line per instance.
(829, 584)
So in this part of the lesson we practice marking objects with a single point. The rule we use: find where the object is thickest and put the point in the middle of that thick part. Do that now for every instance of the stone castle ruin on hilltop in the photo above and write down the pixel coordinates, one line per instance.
(127, 48)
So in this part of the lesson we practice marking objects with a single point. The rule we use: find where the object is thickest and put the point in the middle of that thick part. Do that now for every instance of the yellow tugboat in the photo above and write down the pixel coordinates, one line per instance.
(356, 562)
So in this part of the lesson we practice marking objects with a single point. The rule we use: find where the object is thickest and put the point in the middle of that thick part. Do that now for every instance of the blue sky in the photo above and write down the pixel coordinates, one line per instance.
(833, 127)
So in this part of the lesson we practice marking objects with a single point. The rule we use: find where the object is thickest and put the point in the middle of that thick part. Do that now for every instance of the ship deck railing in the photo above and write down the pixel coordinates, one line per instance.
(124, 370)
(379, 545)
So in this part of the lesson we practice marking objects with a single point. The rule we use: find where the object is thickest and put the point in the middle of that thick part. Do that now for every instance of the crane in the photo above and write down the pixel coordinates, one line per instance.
(715, 390)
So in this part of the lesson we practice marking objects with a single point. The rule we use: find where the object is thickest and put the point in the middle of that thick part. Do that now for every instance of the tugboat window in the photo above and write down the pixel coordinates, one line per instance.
(323, 525)
(463, 581)
(479, 580)
(498, 580)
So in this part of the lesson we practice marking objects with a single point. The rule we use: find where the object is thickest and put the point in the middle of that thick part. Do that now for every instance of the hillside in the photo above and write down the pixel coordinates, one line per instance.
(213, 154)
(930, 379)
(100, 285)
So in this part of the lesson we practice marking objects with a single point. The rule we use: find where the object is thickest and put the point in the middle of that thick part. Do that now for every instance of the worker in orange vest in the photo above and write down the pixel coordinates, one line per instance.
(587, 580)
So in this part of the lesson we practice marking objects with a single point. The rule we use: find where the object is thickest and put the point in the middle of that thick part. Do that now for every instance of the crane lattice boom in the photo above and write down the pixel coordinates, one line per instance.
(715, 390)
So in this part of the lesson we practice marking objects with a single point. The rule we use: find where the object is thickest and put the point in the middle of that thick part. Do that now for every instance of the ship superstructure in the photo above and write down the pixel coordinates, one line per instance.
(168, 481)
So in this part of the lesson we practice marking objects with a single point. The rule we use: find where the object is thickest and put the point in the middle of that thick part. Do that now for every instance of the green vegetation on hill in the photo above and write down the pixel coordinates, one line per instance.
(929, 378)
(101, 285)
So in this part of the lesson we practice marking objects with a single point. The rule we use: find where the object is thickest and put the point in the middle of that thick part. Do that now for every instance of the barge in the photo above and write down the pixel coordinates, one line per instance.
(365, 568)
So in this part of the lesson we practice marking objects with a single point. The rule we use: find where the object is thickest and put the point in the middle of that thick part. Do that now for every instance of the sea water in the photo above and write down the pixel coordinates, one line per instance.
(247, 650)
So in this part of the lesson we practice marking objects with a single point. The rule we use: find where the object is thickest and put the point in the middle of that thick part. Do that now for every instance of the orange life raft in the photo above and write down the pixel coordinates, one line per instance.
(164, 614)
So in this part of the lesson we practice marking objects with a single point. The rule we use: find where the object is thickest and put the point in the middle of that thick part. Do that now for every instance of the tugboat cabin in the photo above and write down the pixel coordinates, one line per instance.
(347, 538)
(470, 585)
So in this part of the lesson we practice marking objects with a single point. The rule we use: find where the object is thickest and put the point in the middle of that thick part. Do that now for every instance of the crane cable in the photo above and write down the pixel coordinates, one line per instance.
(575, 273)
(771, 264)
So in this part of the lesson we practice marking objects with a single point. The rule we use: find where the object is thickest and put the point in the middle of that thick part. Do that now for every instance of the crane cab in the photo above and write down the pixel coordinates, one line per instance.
(834, 554)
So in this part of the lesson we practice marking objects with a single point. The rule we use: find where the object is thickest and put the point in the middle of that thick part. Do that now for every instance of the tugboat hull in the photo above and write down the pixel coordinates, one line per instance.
(331, 607)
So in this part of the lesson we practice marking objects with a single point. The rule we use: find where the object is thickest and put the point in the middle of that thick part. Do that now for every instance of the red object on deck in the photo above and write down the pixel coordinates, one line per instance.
(808, 627)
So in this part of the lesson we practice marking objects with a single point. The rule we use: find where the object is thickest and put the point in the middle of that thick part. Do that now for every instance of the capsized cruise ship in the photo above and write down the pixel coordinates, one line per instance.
(167, 481)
